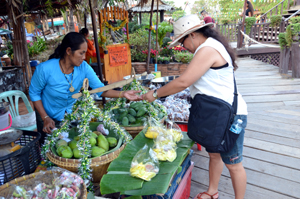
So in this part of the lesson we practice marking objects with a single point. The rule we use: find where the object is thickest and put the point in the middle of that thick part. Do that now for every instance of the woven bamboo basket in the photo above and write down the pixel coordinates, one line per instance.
(99, 165)
(29, 181)
(135, 130)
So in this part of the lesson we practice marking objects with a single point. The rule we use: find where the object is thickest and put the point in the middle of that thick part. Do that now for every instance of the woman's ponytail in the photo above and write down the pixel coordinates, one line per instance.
(57, 53)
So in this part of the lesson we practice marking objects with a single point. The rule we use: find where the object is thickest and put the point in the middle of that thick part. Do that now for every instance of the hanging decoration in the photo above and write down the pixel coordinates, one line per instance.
(103, 38)
(82, 112)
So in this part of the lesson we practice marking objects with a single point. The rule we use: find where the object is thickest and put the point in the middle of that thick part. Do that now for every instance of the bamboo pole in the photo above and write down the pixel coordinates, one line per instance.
(156, 31)
(149, 38)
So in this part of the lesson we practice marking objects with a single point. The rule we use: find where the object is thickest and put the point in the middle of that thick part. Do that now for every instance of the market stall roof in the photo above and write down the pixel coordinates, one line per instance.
(143, 7)
(34, 5)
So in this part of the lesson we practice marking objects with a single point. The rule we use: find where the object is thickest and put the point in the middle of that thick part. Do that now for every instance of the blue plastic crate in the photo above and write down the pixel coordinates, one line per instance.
(175, 181)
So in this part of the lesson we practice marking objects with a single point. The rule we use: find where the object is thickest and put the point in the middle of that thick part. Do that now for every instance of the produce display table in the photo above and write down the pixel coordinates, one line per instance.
(118, 178)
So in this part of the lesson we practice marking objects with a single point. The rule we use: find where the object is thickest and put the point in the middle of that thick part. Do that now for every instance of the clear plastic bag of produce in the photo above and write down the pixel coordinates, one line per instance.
(20, 192)
(144, 164)
(154, 127)
(174, 130)
(165, 147)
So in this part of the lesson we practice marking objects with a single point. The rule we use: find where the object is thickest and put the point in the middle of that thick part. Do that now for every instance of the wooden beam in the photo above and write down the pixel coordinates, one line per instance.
(96, 39)
(243, 23)
(295, 49)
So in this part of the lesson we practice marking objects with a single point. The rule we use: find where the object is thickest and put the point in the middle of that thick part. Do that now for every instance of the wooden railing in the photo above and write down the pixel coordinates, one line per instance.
(275, 10)
(230, 31)
(263, 32)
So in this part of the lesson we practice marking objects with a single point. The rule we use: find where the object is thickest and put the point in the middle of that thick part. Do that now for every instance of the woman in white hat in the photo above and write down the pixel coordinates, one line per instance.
(210, 73)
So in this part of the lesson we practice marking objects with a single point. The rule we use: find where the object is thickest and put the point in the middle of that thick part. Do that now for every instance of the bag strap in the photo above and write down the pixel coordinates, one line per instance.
(235, 94)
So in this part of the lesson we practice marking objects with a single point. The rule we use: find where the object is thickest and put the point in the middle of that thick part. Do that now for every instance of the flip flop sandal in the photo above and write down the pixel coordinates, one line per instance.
(199, 196)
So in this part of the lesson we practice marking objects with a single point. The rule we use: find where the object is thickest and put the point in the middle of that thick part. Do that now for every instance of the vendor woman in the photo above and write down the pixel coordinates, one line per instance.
(56, 80)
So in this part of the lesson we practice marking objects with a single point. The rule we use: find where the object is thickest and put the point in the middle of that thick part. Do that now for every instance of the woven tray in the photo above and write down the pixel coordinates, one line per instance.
(29, 181)
(99, 165)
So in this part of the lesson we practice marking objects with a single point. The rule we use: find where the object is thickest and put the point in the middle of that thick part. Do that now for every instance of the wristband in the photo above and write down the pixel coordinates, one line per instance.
(45, 117)
(120, 94)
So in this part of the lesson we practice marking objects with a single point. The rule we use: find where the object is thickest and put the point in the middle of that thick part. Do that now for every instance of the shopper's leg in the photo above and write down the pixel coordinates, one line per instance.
(215, 170)
(238, 178)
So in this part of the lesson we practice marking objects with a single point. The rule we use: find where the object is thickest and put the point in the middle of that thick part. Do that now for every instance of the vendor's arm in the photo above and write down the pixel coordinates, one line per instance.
(48, 122)
(201, 62)
(130, 95)
(38, 83)
(96, 83)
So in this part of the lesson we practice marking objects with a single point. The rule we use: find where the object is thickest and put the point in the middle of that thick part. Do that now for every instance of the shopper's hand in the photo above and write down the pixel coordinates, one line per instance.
(132, 95)
(49, 124)
(149, 96)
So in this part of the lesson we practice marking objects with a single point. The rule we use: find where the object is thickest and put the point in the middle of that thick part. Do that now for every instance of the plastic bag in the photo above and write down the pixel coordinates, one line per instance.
(154, 127)
(174, 130)
(24, 120)
(144, 164)
(165, 148)
(20, 192)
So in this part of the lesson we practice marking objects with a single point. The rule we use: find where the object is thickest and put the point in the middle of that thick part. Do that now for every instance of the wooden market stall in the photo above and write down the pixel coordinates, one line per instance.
(116, 58)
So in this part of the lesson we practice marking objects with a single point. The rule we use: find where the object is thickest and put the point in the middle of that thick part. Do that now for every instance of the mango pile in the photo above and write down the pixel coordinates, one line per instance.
(100, 144)
(136, 113)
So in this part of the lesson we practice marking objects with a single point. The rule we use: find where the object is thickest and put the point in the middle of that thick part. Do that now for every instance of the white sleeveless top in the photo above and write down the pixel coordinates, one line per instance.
(218, 82)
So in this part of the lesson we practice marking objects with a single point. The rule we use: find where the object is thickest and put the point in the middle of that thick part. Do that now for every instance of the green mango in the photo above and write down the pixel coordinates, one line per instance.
(131, 118)
(102, 142)
(93, 141)
(77, 153)
(112, 141)
(132, 112)
(61, 143)
(67, 153)
(97, 151)
(94, 134)
(76, 138)
(141, 112)
(60, 149)
(73, 144)
(125, 121)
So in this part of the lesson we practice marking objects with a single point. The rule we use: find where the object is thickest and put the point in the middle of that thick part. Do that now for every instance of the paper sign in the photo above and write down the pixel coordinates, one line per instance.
(117, 56)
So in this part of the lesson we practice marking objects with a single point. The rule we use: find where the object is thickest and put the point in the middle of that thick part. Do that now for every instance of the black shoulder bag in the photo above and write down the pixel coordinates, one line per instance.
(210, 120)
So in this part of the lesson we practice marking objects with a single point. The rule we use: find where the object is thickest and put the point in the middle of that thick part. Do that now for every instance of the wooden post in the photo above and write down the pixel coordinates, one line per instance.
(157, 3)
(295, 49)
(41, 17)
(149, 38)
(52, 24)
(140, 17)
(162, 12)
(96, 39)
(239, 36)
(85, 19)
(243, 24)
(25, 49)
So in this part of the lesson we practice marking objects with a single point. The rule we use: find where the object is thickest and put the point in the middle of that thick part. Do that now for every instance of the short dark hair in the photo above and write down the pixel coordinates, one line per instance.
(72, 40)
(84, 31)
(203, 12)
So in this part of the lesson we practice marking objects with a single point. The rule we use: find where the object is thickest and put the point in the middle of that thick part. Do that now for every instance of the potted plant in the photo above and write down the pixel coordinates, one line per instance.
(166, 60)
(160, 59)
(153, 53)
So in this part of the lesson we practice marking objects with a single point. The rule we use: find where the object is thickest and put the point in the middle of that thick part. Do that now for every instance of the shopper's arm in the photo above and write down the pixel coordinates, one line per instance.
(48, 122)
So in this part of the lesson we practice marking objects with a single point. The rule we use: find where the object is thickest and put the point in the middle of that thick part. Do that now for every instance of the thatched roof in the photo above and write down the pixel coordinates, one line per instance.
(34, 5)
(145, 7)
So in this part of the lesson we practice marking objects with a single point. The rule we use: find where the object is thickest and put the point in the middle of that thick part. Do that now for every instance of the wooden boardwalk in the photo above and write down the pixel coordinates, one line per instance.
(272, 138)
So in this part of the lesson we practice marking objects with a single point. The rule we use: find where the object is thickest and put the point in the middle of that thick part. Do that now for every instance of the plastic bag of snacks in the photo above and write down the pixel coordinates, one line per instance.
(144, 165)
(154, 128)
(165, 148)
(174, 130)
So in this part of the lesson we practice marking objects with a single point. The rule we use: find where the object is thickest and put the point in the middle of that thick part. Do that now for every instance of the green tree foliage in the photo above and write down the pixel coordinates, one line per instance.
(178, 14)
(208, 6)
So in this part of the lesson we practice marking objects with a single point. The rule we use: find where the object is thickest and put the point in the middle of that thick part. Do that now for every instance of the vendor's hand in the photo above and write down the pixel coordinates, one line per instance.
(149, 96)
(132, 95)
(49, 124)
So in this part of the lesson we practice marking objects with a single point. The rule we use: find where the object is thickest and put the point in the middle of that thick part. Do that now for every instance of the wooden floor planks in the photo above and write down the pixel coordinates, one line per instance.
(272, 139)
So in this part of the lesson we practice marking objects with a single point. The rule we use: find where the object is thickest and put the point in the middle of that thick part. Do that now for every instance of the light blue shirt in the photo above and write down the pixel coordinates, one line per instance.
(49, 84)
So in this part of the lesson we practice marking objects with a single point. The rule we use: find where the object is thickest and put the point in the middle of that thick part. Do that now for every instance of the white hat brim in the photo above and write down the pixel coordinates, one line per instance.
(193, 29)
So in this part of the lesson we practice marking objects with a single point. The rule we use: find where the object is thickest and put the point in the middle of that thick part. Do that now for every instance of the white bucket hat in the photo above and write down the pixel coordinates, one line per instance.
(186, 25)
